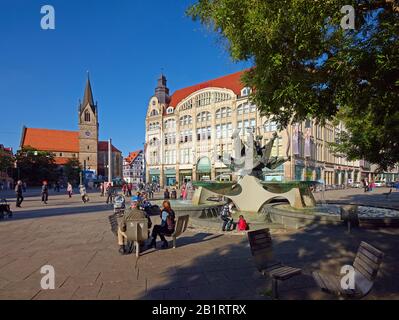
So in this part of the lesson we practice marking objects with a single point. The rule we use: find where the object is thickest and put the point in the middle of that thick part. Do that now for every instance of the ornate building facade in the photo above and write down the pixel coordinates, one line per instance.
(187, 131)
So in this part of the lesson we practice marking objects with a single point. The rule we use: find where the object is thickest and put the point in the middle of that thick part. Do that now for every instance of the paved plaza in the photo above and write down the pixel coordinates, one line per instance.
(76, 240)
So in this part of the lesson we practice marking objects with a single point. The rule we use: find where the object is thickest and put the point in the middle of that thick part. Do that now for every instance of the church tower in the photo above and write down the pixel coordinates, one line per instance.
(88, 130)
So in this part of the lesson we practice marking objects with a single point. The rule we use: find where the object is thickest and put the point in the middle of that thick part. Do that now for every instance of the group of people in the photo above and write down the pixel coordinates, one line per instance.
(228, 222)
(368, 186)
(138, 212)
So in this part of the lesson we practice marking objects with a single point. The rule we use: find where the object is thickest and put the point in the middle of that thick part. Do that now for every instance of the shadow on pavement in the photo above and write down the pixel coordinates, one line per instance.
(231, 274)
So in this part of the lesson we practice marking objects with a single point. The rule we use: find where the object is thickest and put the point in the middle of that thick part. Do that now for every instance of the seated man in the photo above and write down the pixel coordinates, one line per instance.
(132, 214)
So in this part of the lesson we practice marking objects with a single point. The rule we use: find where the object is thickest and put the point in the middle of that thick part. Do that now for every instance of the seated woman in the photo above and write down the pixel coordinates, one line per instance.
(167, 226)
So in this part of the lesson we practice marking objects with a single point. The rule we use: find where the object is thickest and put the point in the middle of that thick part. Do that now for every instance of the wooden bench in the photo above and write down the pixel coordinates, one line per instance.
(180, 228)
(366, 266)
(261, 246)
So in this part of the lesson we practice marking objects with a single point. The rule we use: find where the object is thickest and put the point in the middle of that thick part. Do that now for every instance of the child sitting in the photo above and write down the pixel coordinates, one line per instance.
(242, 224)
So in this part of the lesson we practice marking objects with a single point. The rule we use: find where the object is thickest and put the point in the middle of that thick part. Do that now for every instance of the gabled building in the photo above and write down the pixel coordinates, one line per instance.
(83, 145)
(134, 167)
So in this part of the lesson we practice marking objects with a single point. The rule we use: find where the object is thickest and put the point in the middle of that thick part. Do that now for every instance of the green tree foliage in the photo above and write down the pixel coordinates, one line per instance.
(35, 166)
(6, 161)
(308, 66)
(71, 171)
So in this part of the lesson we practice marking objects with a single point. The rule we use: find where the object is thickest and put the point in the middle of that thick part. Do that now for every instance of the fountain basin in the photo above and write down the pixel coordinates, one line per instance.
(369, 217)
(208, 210)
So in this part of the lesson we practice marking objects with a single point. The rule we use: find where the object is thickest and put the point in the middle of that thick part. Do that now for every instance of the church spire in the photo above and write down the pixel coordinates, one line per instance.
(162, 91)
(88, 96)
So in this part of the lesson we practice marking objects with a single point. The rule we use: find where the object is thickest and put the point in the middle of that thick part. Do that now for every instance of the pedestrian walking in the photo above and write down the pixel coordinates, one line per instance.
(129, 189)
(109, 191)
(18, 191)
(69, 190)
(102, 189)
(83, 193)
(45, 192)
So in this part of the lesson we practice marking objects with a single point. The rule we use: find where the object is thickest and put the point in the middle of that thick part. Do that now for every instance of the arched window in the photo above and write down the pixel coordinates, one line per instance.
(204, 116)
(186, 120)
(153, 126)
(154, 142)
(170, 124)
(223, 113)
(154, 113)
(87, 116)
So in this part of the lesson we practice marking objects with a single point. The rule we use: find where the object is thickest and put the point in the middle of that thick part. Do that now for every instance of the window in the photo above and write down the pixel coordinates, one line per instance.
(204, 134)
(153, 126)
(170, 157)
(186, 120)
(245, 92)
(154, 142)
(223, 113)
(187, 105)
(246, 109)
(186, 136)
(87, 116)
(170, 124)
(185, 156)
(154, 113)
(270, 126)
(224, 131)
(170, 110)
(203, 99)
(170, 139)
(204, 116)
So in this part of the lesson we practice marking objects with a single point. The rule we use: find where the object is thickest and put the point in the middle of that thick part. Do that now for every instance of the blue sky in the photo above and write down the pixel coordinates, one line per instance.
(124, 44)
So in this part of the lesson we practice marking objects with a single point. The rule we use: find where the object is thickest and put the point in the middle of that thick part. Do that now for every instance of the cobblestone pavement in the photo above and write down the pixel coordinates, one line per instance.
(77, 241)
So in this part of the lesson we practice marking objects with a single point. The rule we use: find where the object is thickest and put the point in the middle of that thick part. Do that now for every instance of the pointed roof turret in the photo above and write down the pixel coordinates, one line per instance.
(162, 91)
(88, 96)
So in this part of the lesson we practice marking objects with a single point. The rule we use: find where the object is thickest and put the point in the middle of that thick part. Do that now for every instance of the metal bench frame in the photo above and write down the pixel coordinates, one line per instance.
(261, 245)
(180, 228)
(137, 232)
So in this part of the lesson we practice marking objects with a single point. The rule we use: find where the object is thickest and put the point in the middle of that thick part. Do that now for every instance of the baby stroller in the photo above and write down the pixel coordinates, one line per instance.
(5, 210)
(119, 204)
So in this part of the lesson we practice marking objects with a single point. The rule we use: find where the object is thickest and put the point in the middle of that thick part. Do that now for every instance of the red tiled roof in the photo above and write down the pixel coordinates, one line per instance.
(57, 141)
(232, 82)
(103, 146)
(133, 155)
(51, 140)
(61, 160)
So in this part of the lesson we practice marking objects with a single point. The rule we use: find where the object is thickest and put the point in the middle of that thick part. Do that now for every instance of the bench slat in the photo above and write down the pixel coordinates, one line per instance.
(374, 251)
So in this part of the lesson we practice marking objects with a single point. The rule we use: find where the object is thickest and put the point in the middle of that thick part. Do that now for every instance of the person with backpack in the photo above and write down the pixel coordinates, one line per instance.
(228, 222)
(167, 226)
(18, 191)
